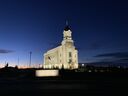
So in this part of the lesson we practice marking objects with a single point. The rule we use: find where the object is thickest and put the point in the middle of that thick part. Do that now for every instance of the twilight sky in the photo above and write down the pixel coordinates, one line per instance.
(99, 28)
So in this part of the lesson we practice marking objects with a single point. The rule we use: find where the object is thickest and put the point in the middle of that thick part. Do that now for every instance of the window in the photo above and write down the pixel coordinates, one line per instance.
(70, 60)
(70, 54)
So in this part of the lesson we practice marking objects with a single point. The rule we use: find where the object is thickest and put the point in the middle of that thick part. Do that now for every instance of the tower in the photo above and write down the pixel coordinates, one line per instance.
(70, 54)
(67, 35)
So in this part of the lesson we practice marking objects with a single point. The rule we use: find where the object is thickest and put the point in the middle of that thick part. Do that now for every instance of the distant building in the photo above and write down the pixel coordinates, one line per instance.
(64, 56)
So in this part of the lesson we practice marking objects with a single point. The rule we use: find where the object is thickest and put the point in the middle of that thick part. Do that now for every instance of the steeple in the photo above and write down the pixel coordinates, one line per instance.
(67, 26)
(66, 22)
(67, 34)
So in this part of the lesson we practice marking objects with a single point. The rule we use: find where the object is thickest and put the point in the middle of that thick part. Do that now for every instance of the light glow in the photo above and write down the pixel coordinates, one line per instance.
(46, 73)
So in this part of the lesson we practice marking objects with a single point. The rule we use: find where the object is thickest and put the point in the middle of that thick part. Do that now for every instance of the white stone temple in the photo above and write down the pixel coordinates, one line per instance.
(64, 56)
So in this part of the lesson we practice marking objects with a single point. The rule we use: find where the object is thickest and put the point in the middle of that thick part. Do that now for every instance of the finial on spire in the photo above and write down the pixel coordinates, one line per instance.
(67, 26)
(66, 22)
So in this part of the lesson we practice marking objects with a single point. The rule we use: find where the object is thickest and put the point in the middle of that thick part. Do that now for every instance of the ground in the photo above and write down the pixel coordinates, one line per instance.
(98, 85)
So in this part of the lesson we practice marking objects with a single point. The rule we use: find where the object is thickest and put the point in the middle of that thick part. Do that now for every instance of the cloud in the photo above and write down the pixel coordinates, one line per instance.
(100, 63)
(117, 58)
(3, 51)
(115, 55)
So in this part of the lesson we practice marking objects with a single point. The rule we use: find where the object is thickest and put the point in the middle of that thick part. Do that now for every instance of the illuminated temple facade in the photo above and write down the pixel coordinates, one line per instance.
(64, 56)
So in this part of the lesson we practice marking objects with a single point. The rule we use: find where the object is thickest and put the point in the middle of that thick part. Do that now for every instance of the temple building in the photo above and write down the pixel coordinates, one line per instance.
(64, 56)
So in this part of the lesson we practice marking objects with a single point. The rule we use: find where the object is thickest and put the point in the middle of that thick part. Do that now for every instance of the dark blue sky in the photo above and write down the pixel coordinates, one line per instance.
(98, 27)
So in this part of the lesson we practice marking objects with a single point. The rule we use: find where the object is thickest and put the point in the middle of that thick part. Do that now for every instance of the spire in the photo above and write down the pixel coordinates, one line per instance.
(67, 26)
(66, 22)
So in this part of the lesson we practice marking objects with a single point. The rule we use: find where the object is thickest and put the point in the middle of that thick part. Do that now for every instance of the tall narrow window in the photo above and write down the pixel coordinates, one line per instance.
(70, 54)
(70, 61)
